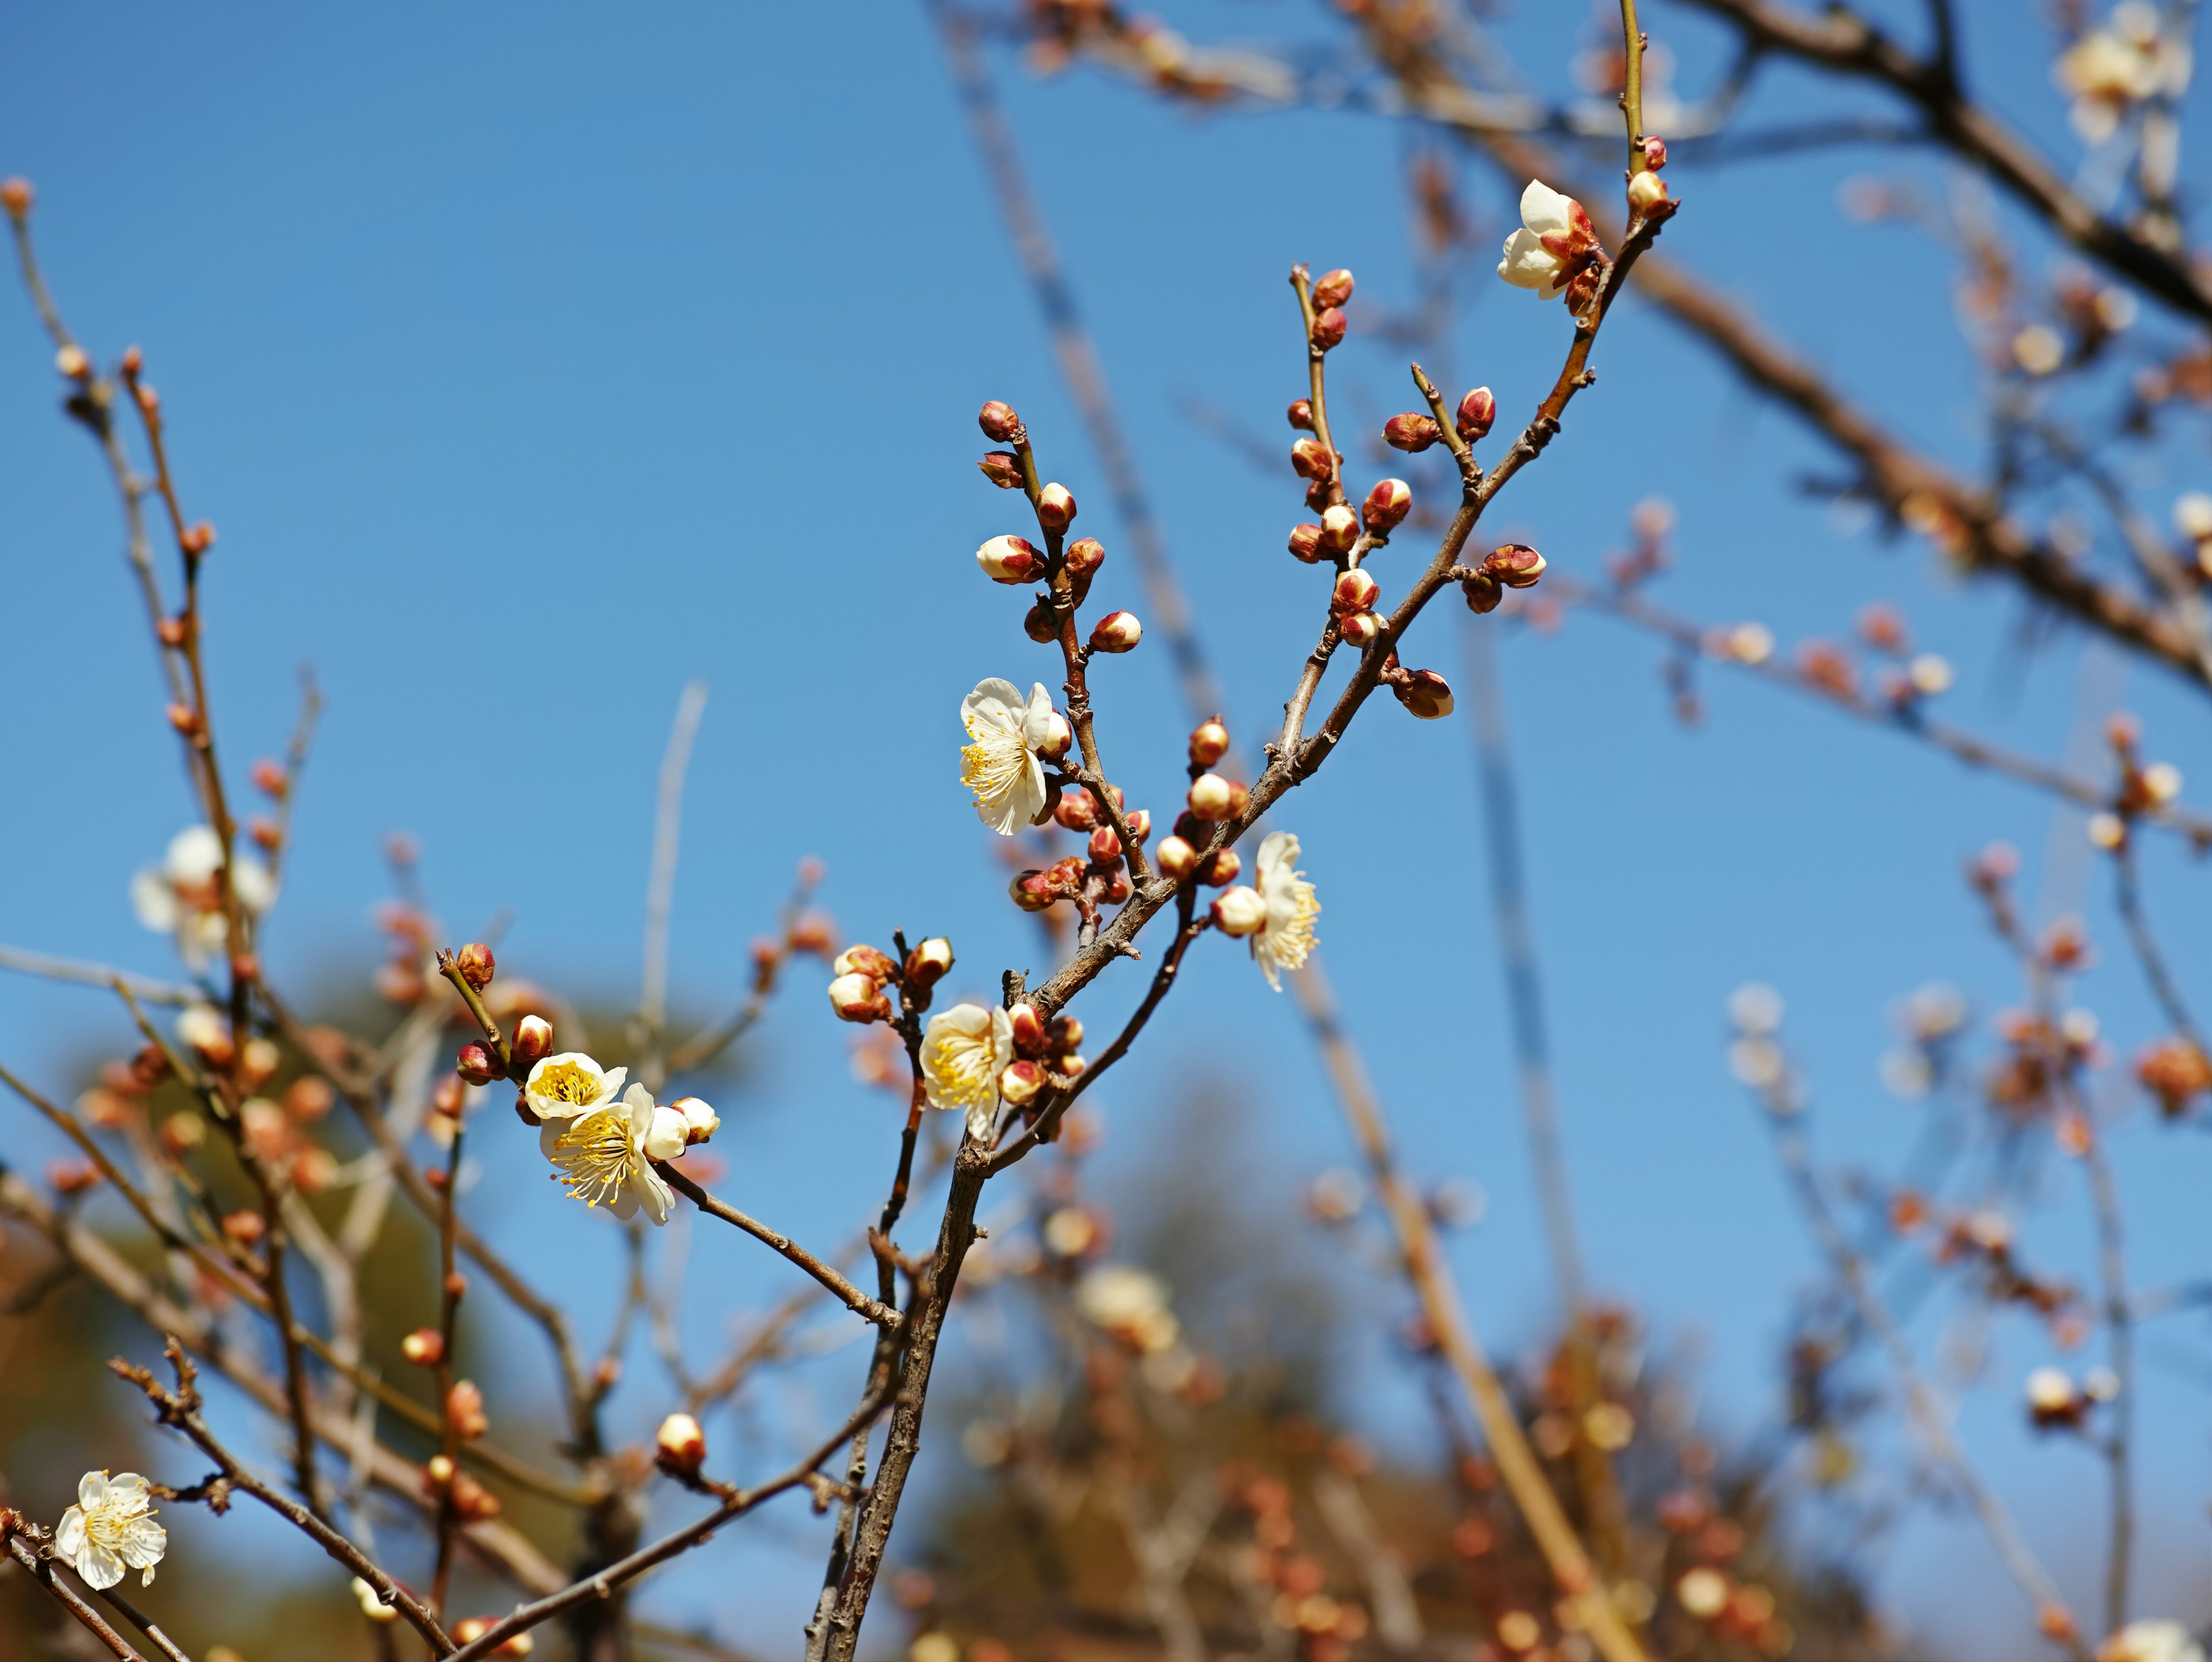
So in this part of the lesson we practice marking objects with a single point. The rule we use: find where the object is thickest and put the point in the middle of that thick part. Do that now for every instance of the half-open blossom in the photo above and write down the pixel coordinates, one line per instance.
(963, 1052)
(569, 1084)
(110, 1529)
(701, 1122)
(603, 1155)
(180, 897)
(1240, 911)
(1287, 935)
(1001, 765)
(1552, 247)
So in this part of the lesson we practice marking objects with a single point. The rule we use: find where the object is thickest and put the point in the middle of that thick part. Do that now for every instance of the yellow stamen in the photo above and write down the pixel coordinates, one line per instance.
(570, 1082)
(595, 1156)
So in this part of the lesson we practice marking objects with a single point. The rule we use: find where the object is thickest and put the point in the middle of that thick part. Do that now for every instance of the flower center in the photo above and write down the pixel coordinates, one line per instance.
(109, 1523)
(963, 1069)
(595, 1156)
(1289, 941)
(568, 1082)
(993, 765)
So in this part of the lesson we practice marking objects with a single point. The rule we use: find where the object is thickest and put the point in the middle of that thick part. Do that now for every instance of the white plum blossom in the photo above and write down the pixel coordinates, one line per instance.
(602, 1155)
(2126, 62)
(110, 1529)
(1552, 246)
(565, 1085)
(180, 897)
(2154, 1641)
(1283, 941)
(963, 1052)
(1001, 765)
(1129, 1303)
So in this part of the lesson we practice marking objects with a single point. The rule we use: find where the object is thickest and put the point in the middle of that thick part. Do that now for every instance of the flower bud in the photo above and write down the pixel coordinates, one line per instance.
(1310, 460)
(1426, 694)
(1055, 508)
(1010, 560)
(1328, 328)
(1083, 557)
(1239, 911)
(1175, 857)
(183, 1131)
(1305, 542)
(170, 631)
(270, 779)
(464, 1411)
(999, 421)
(1033, 891)
(1355, 591)
(1219, 869)
(857, 998)
(1300, 415)
(1140, 822)
(1339, 529)
(196, 539)
(73, 363)
(1411, 432)
(679, 1447)
(1067, 1033)
(1482, 593)
(1209, 742)
(1041, 625)
(1361, 629)
(1333, 288)
(372, 1604)
(1020, 1081)
(1213, 798)
(1477, 411)
(927, 963)
(1076, 810)
(863, 960)
(1003, 468)
(16, 196)
(425, 1346)
(1117, 631)
(1104, 845)
(1655, 152)
(532, 1041)
(475, 963)
(1646, 190)
(1030, 1032)
(1515, 564)
(1387, 506)
(448, 1097)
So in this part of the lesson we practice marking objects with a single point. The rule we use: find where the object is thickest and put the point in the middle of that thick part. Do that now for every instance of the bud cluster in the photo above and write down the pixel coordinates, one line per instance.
(1096, 877)
(860, 976)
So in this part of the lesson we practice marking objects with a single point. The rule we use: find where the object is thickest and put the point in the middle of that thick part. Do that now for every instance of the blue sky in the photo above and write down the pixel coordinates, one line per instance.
(533, 360)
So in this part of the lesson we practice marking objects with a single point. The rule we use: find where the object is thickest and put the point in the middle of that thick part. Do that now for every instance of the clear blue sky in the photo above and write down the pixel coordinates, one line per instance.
(532, 360)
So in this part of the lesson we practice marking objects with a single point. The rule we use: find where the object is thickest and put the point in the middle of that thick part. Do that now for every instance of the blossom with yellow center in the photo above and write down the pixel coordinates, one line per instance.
(603, 1156)
(1001, 765)
(571, 1084)
(964, 1050)
(1283, 941)
(111, 1528)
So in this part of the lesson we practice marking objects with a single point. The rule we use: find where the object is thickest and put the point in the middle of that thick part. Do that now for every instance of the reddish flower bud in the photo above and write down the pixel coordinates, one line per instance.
(1034, 891)
(1055, 508)
(1301, 415)
(475, 1065)
(1213, 798)
(1361, 630)
(196, 539)
(1041, 626)
(1478, 412)
(1328, 329)
(1305, 542)
(475, 963)
(1411, 432)
(266, 833)
(1117, 631)
(1339, 529)
(1003, 468)
(464, 1411)
(270, 779)
(863, 960)
(1076, 810)
(425, 1346)
(999, 421)
(679, 1447)
(1104, 845)
(308, 1098)
(1515, 564)
(170, 631)
(857, 998)
(1482, 593)
(182, 718)
(1029, 1031)
(16, 196)
(1333, 288)
(1355, 591)
(927, 963)
(1083, 557)
(1219, 869)
(447, 1096)
(1010, 560)
(1239, 911)
(474, 1502)
(1175, 858)
(1139, 823)
(1310, 460)
(1209, 742)
(1020, 1081)
(1426, 694)
(245, 1228)
(1387, 506)
(532, 1041)
(1655, 152)
(1646, 190)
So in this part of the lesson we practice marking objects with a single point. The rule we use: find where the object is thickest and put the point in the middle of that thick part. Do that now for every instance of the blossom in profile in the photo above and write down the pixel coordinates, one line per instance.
(570, 1084)
(963, 1052)
(603, 1155)
(111, 1529)
(1287, 935)
(1001, 766)
(1552, 246)
(181, 897)
(1130, 1304)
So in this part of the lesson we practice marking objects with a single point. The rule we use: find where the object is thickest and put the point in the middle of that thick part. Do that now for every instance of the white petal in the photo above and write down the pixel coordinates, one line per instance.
(1528, 265)
(250, 882)
(670, 1136)
(980, 1118)
(194, 854)
(101, 1568)
(1036, 720)
(548, 1135)
(992, 702)
(91, 1488)
(1544, 210)
(68, 1534)
(658, 1199)
(1279, 853)
(153, 900)
(624, 1205)
(615, 1078)
(1002, 1039)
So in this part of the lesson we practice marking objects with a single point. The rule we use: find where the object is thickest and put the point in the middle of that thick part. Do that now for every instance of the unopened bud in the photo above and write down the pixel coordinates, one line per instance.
(1041, 625)
(1209, 742)
(1076, 810)
(1339, 529)
(1426, 694)
(425, 1346)
(1055, 508)
(1239, 911)
(1387, 506)
(1140, 822)
(1117, 631)
(196, 539)
(244, 1226)
(1412, 432)
(532, 1041)
(1083, 556)
(1034, 891)
(927, 963)
(475, 1065)
(1355, 591)
(1010, 560)
(73, 363)
(1104, 845)
(1219, 869)
(1655, 151)
(170, 631)
(266, 833)
(1300, 415)
(449, 1096)
(1646, 190)
(182, 718)
(679, 1447)
(1333, 288)
(1482, 593)
(1361, 629)
(863, 960)
(475, 963)
(1003, 468)
(1305, 542)
(1213, 798)
(1515, 564)
(1058, 737)
(1310, 460)
(437, 1472)
(1020, 1081)
(464, 1411)
(1175, 858)
(1328, 328)
(1029, 1031)
(1478, 412)
(16, 196)
(999, 421)
(270, 779)
(372, 1603)
(856, 998)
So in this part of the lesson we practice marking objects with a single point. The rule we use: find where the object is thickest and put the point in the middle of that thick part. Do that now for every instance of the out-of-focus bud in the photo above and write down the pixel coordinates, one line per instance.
(1010, 560)
(1034, 891)
(863, 960)
(259, 1060)
(1029, 1030)
(475, 963)
(308, 1098)
(266, 832)
(1219, 869)
(74, 1177)
(1239, 911)
(1041, 625)
(1305, 542)
(1067, 1033)
(425, 1346)
(2052, 1401)
(1646, 190)
(1310, 460)
(1355, 591)
(1426, 694)
(999, 421)
(1104, 845)
(1117, 631)
(1339, 529)
(1411, 432)
(1333, 288)
(372, 1605)
(701, 1122)
(475, 1065)
(1076, 810)
(270, 779)
(1655, 152)
(196, 539)
(1209, 742)
(1083, 556)
(927, 963)
(207, 1033)
(1478, 413)
(170, 631)
(1300, 415)
(1387, 506)
(1020, 1081)
(1361, 629)
(1213, 798)
(1328, 328)
(1055, 508)
(16, 196)
(184, 719)
(679, 1447)
(448, 1096)
(464, 1411)
(183, 1131)
(73, 363)
(1515, 564)
(1175, 858)
(533, 1042)
(857, 998)
(1003, 468)
(475, 1503)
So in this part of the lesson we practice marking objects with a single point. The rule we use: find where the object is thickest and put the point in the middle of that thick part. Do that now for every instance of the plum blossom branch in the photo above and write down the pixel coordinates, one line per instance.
(41, 1569)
